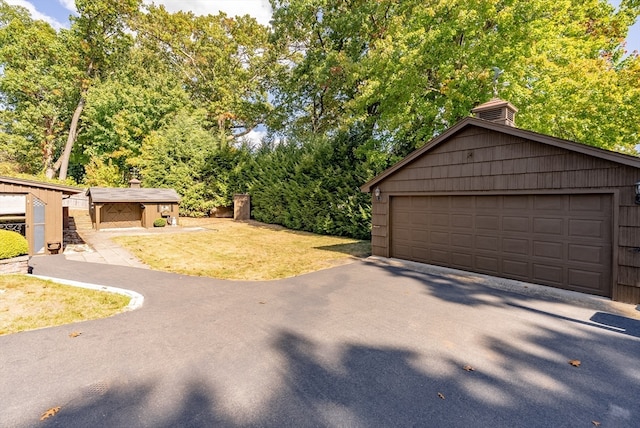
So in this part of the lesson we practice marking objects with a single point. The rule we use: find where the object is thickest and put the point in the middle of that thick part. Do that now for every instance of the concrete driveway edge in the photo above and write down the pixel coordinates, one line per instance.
(136, 301)
(579, 299)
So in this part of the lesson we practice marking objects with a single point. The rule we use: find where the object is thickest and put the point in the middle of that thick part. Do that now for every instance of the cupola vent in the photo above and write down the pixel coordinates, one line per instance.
(498, 111)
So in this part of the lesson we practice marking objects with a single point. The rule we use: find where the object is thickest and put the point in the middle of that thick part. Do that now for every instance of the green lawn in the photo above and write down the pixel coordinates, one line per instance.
(242, 250)
(27, 303)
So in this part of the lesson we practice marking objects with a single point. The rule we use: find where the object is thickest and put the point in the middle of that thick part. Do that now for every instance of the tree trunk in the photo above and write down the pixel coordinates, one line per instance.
(47, 148)
(63, 162)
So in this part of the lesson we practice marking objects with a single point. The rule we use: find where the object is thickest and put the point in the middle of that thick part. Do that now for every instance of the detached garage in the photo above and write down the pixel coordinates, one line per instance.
(488, 197)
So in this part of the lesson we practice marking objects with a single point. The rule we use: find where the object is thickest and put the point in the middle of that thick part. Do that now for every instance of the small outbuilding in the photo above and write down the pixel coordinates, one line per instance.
(487, 197)
(131, 207)
(35, 210)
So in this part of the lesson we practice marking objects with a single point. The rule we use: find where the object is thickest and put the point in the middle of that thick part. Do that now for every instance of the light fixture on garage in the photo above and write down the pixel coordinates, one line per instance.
(377, 193)
(637, 187)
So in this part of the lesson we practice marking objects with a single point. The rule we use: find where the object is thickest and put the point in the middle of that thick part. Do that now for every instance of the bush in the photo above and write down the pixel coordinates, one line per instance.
(12, 244)
(159, 222)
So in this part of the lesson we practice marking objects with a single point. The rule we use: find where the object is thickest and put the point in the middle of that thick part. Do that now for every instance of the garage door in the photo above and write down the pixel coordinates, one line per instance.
(120, 215)
(558, 240)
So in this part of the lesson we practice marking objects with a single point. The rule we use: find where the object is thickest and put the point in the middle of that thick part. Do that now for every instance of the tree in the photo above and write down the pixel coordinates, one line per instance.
(225, 64)
(409, 70)
(36, 89)
(175, 157)
(138, 98)
(101, 40)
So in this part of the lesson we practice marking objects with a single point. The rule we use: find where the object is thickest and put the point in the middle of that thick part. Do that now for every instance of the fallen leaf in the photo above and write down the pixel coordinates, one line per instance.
(468, 368)
(575, 363)
(51, 412)
(595, 423)
(262, 303)
(75, 334)
(441, 395)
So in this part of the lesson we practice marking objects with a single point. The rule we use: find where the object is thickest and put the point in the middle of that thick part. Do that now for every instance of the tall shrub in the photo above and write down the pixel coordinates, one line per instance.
(12, 244)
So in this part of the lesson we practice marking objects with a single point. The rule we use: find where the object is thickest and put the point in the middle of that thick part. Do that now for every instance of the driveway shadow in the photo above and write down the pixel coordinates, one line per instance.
(381, 386)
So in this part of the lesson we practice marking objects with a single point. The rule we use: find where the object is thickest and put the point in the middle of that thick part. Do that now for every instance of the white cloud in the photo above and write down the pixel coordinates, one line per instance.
(259, 9)
(35, 14)
(70, 5)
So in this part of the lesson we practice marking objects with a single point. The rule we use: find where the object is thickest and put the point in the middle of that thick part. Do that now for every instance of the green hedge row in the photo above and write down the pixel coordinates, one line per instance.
(314, 186)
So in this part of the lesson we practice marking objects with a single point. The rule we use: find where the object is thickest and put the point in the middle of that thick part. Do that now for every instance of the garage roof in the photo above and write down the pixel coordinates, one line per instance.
(107, 194)
(67, 190)
(517, 132)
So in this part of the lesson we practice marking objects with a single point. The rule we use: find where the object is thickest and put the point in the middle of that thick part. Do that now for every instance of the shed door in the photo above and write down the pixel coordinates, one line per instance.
(560, 240)
(120, 215)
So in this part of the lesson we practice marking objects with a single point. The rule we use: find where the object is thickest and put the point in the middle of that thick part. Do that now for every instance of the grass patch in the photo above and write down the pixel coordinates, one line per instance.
(27, 303)
(242, 250)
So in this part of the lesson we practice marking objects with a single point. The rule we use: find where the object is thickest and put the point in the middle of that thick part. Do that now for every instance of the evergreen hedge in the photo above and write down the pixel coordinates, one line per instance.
(315, 185)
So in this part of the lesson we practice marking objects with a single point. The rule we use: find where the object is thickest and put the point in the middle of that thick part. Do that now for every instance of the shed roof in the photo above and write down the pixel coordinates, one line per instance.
(106, 195)
(467, 122)
(67, 190)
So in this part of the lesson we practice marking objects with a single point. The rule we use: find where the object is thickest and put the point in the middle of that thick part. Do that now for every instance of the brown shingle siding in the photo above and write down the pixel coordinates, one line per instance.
(627, 294)
(629, 256)
(629, 276)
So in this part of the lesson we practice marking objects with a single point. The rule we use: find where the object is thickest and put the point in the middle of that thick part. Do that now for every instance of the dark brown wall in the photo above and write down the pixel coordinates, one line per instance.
(481, 160)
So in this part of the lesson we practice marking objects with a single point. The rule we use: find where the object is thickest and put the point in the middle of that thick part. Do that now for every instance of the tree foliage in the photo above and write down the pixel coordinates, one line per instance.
(314, 185)
(224, 63)
(411, 69)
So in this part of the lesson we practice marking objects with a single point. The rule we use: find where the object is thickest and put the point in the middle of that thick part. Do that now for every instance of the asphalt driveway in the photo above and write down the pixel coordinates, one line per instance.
(360, 345)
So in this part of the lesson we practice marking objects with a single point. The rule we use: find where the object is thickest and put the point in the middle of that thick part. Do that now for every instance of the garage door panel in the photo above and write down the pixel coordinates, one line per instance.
(520, 203)
(462, 260)
(487, 264)
(419, 203)
(420, 253)
(402, 251)
(488, 202)
(461, 203)
(439, 238)
(483, 242)
(558, 240)
(515, 246)
(516, 268)
(462, 220)
(552, 250)
(440, 256)
(515, 224)
(548, 225)
(439, 220)
(591, 203)
(461, 239)
(440, 202)
(549, 203)
(419, 235)
(420, 220)
(586, 253)
(488, 222)
(403, 234)
(403, 217)
(587, 228)
(548, 274)
(584, 279)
